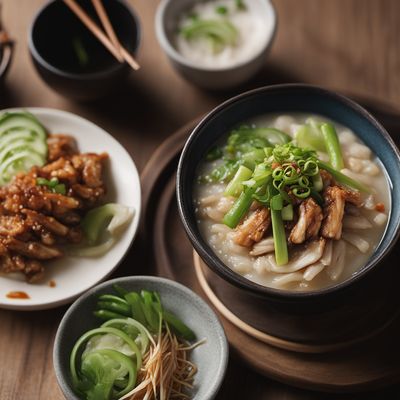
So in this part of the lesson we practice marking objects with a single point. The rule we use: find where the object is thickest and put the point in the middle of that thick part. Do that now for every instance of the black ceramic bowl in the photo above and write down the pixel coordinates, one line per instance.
(357, 306)
(70, 59)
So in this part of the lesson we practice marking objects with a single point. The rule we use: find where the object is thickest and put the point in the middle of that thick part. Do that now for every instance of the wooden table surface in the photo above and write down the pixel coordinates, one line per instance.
(347, 45)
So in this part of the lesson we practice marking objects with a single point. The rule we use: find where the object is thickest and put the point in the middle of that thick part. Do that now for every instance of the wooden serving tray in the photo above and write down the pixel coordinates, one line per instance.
(368, 365)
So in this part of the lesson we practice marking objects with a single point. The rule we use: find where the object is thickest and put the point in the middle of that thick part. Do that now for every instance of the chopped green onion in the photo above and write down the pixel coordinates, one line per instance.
(344, 179)
(317, 182)
(278, 232)
(214, 154)
(235, 186)
(240, 5)
(178, 326)
(301, 192)
(239, 208)
(220, 32)
(332, 146)
(105, 315)
(310, 136)
(222, 10)
(287, 213)
(80, 52)
(135, 302)
(276, 203)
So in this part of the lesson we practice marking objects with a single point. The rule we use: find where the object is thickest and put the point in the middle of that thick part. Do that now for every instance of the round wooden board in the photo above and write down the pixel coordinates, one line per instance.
(366, 366)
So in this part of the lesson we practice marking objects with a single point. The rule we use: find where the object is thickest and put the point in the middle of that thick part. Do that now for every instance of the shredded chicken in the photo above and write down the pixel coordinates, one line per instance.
(253, 228)
(34, 220)
(334, 210)
(309, 222)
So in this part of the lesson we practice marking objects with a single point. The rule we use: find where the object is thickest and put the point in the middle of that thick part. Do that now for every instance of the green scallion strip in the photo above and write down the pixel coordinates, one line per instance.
(301, 192)
(332, 146)
(287, 213)
(344, 179)
(276, 202)
(278, 231)
(239, 208)
(235, 186)
(317, 182)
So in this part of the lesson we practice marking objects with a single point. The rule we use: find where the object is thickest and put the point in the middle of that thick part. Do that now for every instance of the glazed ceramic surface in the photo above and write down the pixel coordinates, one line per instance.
(286, 99)
(74, 275)
(168, 14)
(211, 358)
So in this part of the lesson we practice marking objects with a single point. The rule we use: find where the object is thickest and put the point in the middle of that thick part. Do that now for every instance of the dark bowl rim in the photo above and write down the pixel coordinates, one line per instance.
(56, 354)
(227, 273)
(71, 75)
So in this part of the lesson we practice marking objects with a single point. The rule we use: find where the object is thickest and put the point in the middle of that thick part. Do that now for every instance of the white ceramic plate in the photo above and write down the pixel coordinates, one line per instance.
(73, 275)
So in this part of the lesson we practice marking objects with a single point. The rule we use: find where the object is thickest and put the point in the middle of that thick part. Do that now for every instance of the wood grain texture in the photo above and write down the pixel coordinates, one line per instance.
(349, 45)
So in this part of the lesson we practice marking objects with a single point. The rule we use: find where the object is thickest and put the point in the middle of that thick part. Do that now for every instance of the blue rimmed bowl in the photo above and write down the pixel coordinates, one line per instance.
(329, 314)
(211, 357)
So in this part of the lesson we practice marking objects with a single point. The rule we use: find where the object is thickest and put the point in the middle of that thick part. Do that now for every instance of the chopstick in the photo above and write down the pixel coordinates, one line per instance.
(120, 53)
(98, 5)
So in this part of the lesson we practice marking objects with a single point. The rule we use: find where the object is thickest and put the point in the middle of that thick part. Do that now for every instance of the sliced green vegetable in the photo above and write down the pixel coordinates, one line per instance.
(74, 358)
(106, 315)
(220, 33)
(178, 326)
(278, 231)
(310, 136)
(235, 186)
(222, 10)
(344, 179)
(152, 317)
(239, 209)
(109, 217)
(10, 120)
(100, 372)
(287, 213)
(80, 52)
(135, 301)
(332, 146)
(123, 323)
(241, 5)
(116, 307)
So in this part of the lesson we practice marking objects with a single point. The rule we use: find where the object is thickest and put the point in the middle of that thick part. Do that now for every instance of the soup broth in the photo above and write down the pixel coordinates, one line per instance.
(362, 226)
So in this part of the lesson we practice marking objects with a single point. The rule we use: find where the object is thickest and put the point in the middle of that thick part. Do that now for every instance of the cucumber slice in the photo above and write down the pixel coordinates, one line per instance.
(22, 135)
(21, 161)
(10, 120)
(16, 147)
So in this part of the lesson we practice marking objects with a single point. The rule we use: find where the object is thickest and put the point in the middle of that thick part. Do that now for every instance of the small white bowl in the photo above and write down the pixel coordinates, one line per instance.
(168, 14)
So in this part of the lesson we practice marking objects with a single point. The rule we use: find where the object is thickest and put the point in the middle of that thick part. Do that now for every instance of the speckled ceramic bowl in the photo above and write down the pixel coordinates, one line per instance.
(340, 312)
(210, 358)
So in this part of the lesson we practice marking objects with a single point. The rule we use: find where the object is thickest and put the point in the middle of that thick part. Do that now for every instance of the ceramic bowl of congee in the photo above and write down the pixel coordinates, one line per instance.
(216, 44)
(290, 194)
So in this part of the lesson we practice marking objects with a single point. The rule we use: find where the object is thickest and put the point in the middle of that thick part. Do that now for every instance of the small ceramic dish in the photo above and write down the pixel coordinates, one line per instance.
(211, 357)
(74, 275)
(76, 64)
(329, 313)
(216, 77)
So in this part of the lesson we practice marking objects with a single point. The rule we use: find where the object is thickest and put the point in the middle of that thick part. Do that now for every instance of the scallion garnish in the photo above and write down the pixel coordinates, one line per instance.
(222, 10)
(53, 184)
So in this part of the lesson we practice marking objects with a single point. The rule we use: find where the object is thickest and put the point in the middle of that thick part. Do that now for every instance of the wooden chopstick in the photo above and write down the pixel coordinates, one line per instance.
(98, 5)
(121, 55)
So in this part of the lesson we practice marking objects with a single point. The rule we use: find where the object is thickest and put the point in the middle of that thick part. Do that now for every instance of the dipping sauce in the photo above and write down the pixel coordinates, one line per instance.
(222, 33)
(17, 295)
